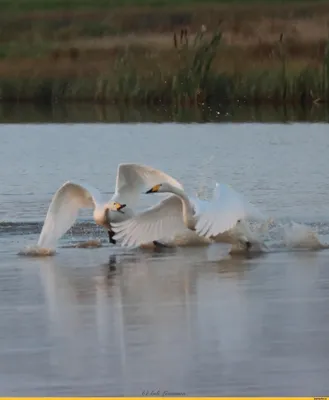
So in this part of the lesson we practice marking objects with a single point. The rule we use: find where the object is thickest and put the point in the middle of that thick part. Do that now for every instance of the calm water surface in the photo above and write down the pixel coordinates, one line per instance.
(104, 321)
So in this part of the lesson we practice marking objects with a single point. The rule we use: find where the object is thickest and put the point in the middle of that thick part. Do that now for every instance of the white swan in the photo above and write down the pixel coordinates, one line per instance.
(72, 196)
(220, 219)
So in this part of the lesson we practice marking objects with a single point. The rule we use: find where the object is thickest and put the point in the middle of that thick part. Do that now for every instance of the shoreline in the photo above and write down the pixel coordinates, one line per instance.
(16, 113)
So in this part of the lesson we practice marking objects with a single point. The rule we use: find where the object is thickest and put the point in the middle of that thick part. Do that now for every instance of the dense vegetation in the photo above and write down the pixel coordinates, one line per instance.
(222, 51)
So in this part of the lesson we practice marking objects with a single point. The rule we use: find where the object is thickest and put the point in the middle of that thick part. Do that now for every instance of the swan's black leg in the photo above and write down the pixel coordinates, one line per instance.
(158, 244)
(113, 262)
(248, 244)
(111, 234)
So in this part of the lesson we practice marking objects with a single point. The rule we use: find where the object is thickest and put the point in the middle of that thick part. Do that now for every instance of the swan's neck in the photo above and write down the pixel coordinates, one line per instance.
(188, 211)
(101, 216)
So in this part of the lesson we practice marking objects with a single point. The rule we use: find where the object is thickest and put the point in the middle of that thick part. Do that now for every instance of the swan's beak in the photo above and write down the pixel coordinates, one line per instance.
(154, 189)
(119, 207)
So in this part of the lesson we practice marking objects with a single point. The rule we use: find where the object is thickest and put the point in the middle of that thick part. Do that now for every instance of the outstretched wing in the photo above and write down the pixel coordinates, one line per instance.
(223, 212)
(64, 209)
(249, 209)
(163, 220)
(133, 179)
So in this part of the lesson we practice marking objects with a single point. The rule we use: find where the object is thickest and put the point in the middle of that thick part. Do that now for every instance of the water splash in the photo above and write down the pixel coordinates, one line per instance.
(89, 244)
(299, 236)
(269, 236)
(288, 235)
(36, 251)
(188, 239)
(278, 235)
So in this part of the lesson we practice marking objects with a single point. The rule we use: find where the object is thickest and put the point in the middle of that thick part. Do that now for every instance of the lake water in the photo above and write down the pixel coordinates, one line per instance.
(109, 321)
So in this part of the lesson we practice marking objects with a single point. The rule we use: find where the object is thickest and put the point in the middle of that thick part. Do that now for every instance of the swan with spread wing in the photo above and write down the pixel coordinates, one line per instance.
(221, 219)
(72, 196)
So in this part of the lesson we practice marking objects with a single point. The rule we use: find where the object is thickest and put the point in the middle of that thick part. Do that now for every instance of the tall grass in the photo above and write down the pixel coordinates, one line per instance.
(194, 80)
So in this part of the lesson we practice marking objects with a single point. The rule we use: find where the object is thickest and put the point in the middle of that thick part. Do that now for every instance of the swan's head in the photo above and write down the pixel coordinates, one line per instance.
(160, 188)
(115, 206)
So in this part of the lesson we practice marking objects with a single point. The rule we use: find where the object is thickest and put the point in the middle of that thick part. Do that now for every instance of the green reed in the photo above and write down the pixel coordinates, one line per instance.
(193, 80)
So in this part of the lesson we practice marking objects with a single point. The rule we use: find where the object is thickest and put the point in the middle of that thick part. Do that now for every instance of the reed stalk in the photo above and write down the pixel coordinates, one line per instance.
(194, 80)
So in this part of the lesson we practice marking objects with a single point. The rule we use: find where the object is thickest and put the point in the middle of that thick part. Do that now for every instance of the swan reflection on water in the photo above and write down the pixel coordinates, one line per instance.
(118, 259)
(113, 263)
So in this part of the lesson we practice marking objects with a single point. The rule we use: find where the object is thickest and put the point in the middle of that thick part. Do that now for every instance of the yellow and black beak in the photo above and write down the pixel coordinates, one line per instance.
(154, 189)
(119, 207)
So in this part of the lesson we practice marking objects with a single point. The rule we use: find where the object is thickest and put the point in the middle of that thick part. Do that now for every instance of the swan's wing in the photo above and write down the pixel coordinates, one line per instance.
(222, 212)
(163, 220)
(249, 209)
(64, 209)
(133, 179)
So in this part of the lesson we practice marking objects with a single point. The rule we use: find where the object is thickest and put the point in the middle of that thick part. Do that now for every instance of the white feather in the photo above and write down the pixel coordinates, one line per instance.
(223, 212)
(172, 216)
(64, 209)
(72, 196)
(163, 220)
(133, 179)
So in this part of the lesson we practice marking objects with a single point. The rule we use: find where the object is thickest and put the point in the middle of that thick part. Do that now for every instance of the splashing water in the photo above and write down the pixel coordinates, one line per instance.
(36, 251)
(89, 244)
(291, 236)
(275, 235)
(299, 236)
(187, 239)
(265, 237)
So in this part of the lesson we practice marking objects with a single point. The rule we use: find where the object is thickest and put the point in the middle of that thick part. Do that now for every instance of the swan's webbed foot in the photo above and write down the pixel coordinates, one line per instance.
(158, 244)
(245, 244)
(111, 235)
